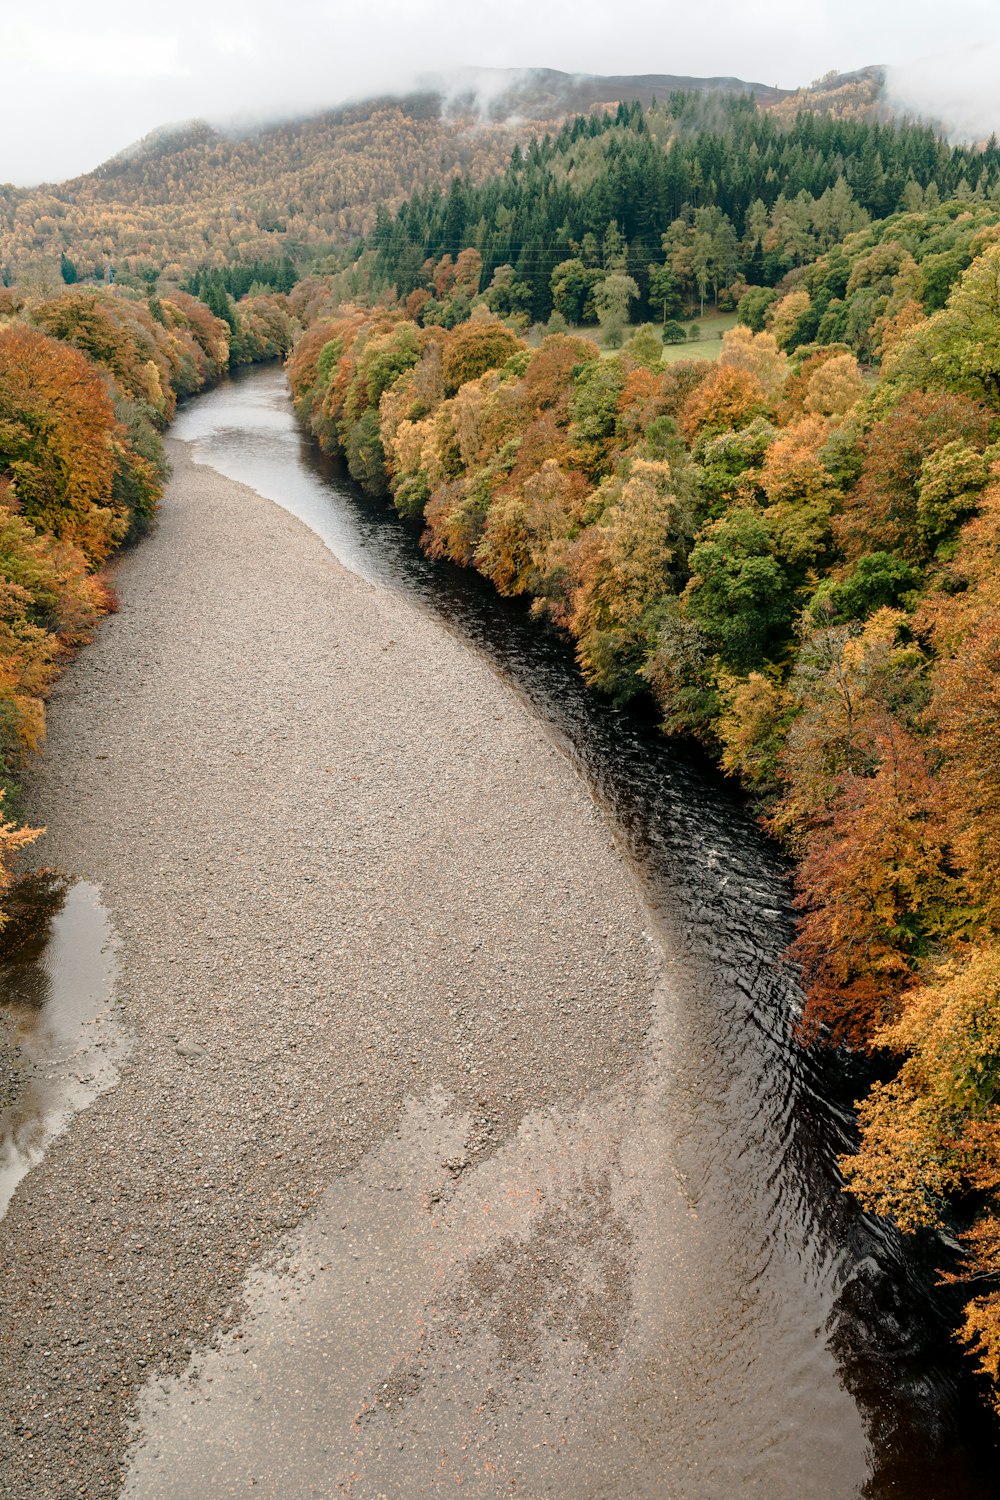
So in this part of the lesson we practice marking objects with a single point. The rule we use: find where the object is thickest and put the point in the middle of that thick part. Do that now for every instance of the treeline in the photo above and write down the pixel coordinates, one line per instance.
(88, 381)
(799, 561)
(701, 196)
(243, 278)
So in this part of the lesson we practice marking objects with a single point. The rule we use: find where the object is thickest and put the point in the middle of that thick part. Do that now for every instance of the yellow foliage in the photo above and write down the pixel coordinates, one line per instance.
(834, 387)
(757, 353)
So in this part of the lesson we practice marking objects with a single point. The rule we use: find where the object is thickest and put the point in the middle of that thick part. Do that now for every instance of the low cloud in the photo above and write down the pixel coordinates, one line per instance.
(75, 94)
(957, 89)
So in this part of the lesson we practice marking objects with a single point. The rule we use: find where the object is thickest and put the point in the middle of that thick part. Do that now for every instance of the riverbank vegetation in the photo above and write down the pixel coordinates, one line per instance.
(88, 381)
(794, 548)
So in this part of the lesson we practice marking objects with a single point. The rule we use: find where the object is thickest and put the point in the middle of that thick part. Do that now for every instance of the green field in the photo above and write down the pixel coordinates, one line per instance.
(707, 345)
(709, 342)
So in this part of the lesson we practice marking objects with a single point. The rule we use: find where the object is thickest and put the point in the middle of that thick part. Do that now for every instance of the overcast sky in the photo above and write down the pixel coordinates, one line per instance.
(81, 82)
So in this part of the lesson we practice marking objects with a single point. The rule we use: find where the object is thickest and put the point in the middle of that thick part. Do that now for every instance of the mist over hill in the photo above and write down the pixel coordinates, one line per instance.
(199, 193)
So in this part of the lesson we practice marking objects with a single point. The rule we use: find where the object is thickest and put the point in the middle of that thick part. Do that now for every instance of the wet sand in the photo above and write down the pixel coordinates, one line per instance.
(363, 907)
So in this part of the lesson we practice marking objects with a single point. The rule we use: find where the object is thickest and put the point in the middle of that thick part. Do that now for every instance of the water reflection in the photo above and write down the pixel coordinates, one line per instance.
(756, 1123)
(60, 1043)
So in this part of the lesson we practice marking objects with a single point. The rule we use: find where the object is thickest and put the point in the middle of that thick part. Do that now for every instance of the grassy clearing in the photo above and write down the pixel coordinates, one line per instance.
(707, 344)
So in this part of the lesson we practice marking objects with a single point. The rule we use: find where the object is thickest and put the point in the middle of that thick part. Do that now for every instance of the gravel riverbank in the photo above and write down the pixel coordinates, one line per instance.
(347, 870)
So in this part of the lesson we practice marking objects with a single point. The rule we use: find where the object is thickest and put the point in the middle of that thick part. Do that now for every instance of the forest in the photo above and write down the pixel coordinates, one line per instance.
(793, 548)
(699, 198)
(196, 198)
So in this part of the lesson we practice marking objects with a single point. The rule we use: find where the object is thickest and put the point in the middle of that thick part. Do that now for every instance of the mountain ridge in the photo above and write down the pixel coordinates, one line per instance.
(532, 95)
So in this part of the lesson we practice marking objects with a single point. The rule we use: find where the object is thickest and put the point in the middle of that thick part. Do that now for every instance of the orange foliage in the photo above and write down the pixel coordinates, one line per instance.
(116, 334)
(965, 706)
(726, 400)
(12, 841)
(867, 884)
(57, 424)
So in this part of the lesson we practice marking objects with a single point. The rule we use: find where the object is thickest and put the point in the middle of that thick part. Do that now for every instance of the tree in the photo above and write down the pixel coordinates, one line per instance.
(726, 399)
(874, 891)
(753, 306)
(784, 318)
(952, 480)
(959, 347)
(507, 296)
(475, 348)
(622, 568)
(758, 354)
(57, 424)
(612, 298)
(572, 286)
(835, 386)
(664, 293)
(881, 512)
(738, 595)
(645, 348)
(934, 1129)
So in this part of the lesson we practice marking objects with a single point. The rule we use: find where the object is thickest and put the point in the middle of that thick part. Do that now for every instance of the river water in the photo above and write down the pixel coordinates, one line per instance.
(60, 1040)
(835, 1341)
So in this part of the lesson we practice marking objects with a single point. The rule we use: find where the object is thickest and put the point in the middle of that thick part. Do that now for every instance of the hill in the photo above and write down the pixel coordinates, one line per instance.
(198, 194)
(541, 94)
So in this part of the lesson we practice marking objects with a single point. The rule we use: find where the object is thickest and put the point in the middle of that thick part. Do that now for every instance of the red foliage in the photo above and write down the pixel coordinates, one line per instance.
(881, 512)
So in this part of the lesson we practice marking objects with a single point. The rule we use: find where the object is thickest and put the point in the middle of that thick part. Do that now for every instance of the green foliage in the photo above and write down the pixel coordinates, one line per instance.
(878, 581)
(365, 454)
(753, 306)
(739, 595)
(645, 348)
(731, 461)
(329, 359)
(697, 197)
(141, 469)
(958, 349)
(594, 411)
(951, 482)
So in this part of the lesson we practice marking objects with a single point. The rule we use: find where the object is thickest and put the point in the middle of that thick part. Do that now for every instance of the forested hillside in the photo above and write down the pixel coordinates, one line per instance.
(793, 548)
(197, 196)
(88, 380)
(698, 198)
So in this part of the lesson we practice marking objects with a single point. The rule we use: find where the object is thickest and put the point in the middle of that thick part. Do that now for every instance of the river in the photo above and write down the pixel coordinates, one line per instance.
(831, 1301)
(546, 1223)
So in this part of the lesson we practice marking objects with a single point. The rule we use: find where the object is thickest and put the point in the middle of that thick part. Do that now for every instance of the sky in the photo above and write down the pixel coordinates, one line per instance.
(80, 83)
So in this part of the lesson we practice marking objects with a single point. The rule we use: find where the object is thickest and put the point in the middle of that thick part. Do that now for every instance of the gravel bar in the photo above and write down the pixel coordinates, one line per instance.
(347, 869)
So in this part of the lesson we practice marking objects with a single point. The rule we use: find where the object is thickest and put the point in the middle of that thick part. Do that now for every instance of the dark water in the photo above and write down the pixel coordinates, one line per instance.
(759, 1121)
